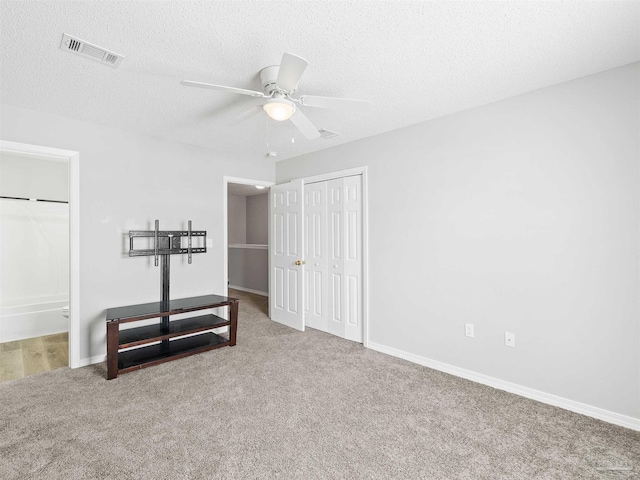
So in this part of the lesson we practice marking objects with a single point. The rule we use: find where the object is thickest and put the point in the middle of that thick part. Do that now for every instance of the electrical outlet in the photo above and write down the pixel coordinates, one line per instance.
(209, 242)
(510, 339)
(468, 329)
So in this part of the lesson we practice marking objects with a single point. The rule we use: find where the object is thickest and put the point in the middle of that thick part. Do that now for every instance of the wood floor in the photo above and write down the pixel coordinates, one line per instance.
(33, 355)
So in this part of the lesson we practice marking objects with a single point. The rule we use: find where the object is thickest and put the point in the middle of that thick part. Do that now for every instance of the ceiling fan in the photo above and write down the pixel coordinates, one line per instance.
(279, 83)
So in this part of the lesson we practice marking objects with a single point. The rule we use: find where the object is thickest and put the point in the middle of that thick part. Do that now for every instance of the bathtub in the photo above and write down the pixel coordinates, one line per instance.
(42, 317)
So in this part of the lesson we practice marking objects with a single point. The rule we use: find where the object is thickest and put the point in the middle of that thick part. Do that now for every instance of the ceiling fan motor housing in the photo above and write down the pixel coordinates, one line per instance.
(268, 76)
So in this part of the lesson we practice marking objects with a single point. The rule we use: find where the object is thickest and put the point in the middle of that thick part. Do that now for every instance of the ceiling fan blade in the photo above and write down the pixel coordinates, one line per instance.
(241, 91)
(303, 124)
(349, 104)
(244, 116)
(291, 69)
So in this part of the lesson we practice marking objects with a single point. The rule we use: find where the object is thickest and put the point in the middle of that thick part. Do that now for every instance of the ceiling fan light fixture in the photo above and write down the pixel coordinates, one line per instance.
(279, 109)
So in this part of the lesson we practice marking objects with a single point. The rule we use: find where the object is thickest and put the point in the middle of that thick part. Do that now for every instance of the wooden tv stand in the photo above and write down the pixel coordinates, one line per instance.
(145, 355)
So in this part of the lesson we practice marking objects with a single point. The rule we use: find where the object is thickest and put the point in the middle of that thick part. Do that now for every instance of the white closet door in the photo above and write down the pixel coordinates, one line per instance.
(335, 230)
(285, 251)
(315, 254)
(352, 258)
(320, 225)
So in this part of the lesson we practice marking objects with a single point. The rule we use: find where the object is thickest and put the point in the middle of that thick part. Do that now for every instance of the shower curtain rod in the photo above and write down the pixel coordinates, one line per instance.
(33, 199)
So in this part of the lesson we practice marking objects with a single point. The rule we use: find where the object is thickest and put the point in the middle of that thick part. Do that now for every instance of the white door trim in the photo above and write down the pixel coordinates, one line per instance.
(339, 174)
(74, 235)
(226, 180)
(365, 236)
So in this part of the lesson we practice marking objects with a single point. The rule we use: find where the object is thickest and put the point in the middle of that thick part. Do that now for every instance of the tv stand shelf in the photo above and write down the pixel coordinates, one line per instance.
(200, 338)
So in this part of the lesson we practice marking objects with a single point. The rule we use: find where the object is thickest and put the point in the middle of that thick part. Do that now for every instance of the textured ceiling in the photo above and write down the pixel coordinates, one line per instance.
(414, 60)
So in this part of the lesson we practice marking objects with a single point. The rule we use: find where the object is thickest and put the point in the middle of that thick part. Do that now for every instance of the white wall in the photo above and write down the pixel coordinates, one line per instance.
(125, 184)
(249, 268)
(237, 218)
(258, 219)
(521, 216)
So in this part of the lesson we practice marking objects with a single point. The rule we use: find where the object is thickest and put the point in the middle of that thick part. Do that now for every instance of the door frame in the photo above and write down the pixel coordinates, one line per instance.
(73, 158)
(362, 171)
(226, 180)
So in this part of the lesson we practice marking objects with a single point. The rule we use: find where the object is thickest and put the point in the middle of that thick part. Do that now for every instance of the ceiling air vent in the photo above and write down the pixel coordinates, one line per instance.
(88, 50)
(327, 134)
(74, 45)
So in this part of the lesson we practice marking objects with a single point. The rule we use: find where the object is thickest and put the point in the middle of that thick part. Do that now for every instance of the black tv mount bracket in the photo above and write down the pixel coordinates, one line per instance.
(166, 243)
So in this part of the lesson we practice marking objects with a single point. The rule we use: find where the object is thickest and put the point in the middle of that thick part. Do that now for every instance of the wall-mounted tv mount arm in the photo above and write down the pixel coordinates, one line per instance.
(166, 243)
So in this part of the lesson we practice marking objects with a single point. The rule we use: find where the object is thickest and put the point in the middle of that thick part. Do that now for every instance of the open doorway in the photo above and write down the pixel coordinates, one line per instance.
(38, 283)
(246, 239)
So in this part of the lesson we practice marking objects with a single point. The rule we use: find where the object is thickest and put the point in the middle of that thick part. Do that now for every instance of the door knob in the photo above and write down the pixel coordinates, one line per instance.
(335, 266)
(300, 262)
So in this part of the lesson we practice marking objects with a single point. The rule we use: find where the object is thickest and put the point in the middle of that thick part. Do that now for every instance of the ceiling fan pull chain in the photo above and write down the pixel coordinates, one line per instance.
(267, 133)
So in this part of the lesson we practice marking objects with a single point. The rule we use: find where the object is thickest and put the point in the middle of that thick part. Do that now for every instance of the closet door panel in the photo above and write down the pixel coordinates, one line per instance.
(286, 286)
(315, 254)
(336, 298)
(352, 264)
(335, 214)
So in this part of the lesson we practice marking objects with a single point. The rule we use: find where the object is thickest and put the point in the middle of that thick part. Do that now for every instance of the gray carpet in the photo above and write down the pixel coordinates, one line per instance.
(286, 404)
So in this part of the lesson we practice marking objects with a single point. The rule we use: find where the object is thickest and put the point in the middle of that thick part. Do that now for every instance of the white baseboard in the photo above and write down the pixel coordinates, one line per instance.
(556, 401)
(250, 290)
(91, 360)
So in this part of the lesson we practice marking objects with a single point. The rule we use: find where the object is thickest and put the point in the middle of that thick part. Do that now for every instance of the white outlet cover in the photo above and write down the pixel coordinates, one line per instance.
(510, 339)
(209, 243)
(468, 329)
